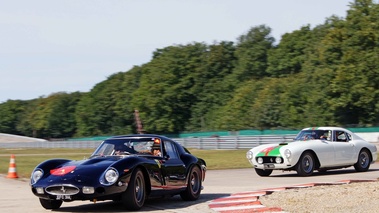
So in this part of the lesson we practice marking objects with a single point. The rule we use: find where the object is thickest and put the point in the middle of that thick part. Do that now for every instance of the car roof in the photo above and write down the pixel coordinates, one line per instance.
(334, 128)
(139, 136)
(326, 128)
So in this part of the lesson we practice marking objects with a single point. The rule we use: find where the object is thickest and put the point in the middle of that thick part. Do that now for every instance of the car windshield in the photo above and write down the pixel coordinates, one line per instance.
(313, 135)
(126, 146)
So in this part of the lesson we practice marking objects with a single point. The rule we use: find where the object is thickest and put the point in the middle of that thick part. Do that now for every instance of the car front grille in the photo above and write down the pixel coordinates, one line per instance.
(270, 159)
(62, 190)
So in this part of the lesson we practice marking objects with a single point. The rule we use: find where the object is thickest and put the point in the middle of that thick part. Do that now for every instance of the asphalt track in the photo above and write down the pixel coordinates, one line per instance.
(16, 197)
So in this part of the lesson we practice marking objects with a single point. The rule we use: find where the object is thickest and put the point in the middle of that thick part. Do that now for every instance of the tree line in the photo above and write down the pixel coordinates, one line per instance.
(327, 75)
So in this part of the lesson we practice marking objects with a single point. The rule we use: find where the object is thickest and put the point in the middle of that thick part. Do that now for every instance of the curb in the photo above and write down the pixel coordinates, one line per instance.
(244, 202)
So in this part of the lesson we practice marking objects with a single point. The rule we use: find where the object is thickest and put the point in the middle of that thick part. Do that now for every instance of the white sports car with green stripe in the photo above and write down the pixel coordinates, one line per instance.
(315, 148)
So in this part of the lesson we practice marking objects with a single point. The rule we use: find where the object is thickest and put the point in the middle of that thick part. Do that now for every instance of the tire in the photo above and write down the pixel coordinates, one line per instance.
(50, 204)
(263, 173)
(134, 196)
(306, 164)
(363, 162)
(193, 189)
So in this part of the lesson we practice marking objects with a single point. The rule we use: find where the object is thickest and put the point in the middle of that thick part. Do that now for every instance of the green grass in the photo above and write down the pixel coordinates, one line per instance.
(27, 159)
(223, 159)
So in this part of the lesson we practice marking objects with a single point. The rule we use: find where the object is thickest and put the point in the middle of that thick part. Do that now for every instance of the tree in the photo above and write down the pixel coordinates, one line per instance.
(99, 113)
(289, 55)
(61, 121)
(164, 98)
(210, 89)
(355, 86)
(251, 53)
(10, 115)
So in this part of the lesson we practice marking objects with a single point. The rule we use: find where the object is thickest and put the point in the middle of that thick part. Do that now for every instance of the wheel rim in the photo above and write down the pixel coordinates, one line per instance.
(195, 182)
(307, 164)
(139, 189)
(364, 159)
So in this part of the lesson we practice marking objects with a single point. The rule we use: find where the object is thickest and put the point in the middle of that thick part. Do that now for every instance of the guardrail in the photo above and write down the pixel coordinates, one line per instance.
(51, 144)
(222, 142)
(233, 142)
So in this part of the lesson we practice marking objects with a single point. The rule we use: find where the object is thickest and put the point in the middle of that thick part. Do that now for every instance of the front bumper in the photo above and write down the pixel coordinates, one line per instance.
(269, 163)
(272, 166)
(68, 192)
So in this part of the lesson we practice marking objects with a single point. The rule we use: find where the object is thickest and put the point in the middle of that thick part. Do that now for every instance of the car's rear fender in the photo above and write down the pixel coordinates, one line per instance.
(190, 161)
(189, 172)
(203, 168)
(369, 153)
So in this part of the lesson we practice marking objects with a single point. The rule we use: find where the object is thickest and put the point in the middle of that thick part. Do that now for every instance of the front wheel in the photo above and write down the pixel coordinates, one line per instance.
(306, 164)
(363, 163)
(134, 196)
(50, 204)
(263, 173)
(193, 189)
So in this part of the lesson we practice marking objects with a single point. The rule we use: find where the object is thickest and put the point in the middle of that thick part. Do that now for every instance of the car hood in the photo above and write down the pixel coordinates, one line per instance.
(269, 150)
(274, 149)
(80, 171)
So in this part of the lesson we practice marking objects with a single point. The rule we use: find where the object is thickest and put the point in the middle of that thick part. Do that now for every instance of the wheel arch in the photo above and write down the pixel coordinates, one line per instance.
(145, 177)
(368, 151)
(190, 169)
(317, 161)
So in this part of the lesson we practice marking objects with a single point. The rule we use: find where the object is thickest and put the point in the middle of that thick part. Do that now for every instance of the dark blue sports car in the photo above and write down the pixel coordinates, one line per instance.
(128, 169)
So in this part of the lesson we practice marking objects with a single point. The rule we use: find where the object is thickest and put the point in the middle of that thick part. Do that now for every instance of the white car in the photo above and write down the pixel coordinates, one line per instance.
(317, 148)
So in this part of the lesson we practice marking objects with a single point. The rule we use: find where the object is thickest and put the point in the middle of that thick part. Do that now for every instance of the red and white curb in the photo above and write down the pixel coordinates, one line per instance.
(249, 201)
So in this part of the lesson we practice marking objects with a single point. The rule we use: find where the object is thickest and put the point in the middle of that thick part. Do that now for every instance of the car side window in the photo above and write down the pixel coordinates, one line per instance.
(340, 136)
(349, 138)
(171, 150)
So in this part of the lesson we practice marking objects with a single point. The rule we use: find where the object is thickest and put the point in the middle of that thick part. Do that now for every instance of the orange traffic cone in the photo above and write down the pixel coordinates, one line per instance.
(12, 173)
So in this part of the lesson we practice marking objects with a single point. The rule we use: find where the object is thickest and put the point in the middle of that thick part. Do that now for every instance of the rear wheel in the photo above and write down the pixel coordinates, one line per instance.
(193, 189)
(50, 204)
(306, 164)
(363, 163)
(263, 173)
(134, 196)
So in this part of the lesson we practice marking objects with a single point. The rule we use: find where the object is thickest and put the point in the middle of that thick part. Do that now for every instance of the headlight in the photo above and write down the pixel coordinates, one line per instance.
(249, 155)
(260, 160)
(278, 160)
(36, 175)
(287, 153)
(111, 176)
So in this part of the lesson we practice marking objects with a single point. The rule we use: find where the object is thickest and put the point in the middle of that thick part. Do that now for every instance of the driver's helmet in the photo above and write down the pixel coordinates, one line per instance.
(156, 146)
(119, 147)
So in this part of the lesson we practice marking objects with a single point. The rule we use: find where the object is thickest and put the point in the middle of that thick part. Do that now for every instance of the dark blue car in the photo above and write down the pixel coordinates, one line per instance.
(128, 169)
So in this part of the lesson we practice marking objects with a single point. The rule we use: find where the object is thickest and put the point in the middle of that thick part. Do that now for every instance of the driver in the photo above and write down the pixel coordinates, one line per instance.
(156, 150)
(119, 149)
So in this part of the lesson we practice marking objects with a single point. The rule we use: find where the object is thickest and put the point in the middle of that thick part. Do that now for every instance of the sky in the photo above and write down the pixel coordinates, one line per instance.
(67, 46)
